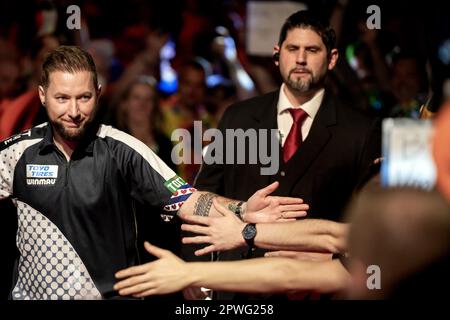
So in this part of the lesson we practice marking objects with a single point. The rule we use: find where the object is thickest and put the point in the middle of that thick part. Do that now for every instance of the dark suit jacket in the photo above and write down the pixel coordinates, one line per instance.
(331, 163)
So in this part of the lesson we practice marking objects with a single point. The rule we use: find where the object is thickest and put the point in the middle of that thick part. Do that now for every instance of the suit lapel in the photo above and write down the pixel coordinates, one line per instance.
(317, 139)
(266, 118)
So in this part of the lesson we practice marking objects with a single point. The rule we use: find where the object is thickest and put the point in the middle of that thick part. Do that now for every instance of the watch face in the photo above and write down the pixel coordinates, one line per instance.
(249, 231)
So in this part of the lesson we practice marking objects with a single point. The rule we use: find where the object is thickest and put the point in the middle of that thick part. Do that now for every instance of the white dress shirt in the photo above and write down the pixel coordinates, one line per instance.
(284, 118)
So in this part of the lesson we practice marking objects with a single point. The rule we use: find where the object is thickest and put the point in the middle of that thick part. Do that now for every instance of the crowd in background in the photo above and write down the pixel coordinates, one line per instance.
(175, 62)
(163, 65)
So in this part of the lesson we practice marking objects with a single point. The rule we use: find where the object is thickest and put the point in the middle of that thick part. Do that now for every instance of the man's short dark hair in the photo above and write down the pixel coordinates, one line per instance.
(307, 20)
(68, 59)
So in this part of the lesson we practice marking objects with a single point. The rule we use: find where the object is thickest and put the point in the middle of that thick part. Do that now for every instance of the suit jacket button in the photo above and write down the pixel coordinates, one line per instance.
(282, 173)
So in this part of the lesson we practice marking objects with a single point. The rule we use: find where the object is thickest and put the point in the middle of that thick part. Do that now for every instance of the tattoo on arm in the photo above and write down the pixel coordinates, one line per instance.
(233, 206)
(237, 208)
(203, 204)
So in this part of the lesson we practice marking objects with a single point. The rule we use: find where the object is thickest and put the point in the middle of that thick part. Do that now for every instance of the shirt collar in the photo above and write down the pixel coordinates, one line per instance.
(310, 107)
(47, 143)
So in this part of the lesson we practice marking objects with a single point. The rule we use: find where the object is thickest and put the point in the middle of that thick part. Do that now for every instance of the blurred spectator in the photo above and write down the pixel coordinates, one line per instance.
(372, 89)
(406, 233)
(144, 62)
(9, 78)
(408, 85)
(24, 111)
(138, 115)
(10, 71)
(186, 106)
(441, 150)
(221, 93)
(196, 20)
(39, 49)
(224, 52)
(261, 71)
(102, 51)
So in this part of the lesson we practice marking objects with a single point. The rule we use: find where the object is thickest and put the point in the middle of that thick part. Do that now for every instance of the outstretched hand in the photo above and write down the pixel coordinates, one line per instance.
(166, 275)
(222, 233)
(263, 208)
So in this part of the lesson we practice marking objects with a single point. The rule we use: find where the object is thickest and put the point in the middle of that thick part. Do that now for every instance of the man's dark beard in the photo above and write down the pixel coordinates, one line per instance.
(70, 136)
(87, 128)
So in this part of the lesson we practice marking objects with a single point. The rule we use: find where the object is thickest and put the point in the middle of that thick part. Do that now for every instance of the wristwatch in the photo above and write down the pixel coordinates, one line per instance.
(249, 234)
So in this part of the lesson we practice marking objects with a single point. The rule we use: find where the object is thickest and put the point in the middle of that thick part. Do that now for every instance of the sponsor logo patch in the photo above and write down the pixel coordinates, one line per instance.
(180, 192)
(175, 183)
(41, 174)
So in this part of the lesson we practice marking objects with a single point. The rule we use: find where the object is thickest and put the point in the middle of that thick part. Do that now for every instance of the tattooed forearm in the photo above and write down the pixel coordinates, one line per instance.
(203, 204)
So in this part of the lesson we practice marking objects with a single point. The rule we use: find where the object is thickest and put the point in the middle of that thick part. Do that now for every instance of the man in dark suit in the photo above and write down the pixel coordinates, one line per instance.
(326, 148)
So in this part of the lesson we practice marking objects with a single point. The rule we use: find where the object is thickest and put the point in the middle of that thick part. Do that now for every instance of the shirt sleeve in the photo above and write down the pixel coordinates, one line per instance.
(11, 150)
(6, 175)
(9, 155)
(149, 179)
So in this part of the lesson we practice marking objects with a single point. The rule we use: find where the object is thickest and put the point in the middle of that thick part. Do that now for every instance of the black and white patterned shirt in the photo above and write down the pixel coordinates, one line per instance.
(76, 224)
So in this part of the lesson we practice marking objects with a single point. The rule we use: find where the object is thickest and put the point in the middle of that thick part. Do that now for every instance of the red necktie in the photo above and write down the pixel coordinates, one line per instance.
(294, 138)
